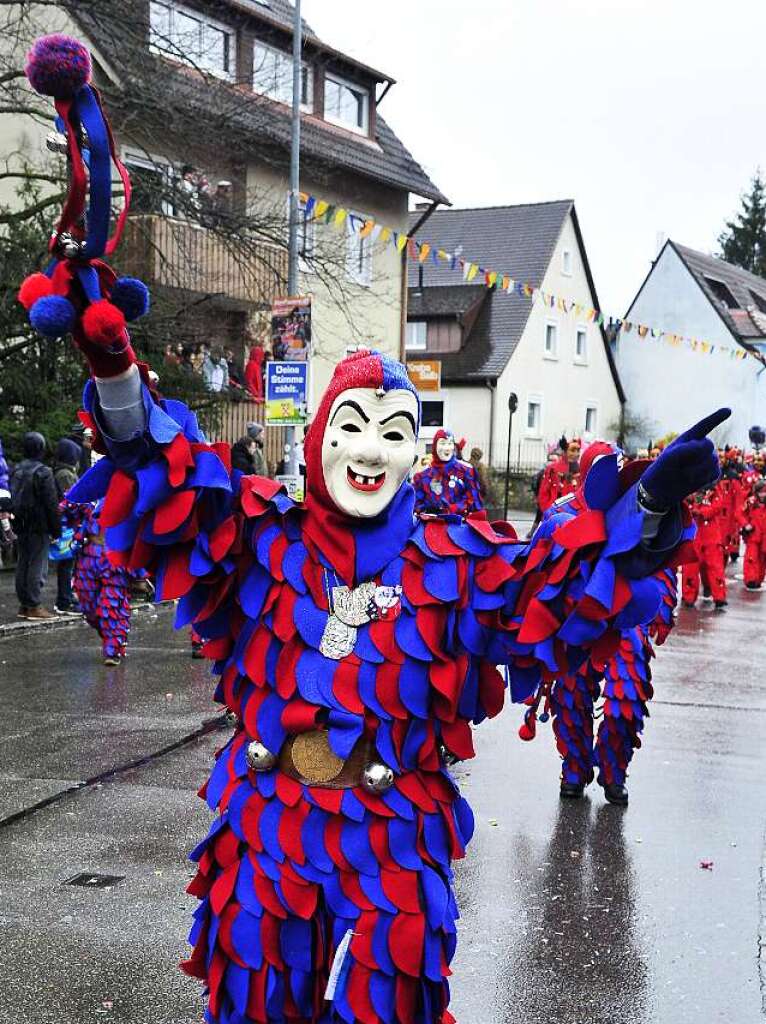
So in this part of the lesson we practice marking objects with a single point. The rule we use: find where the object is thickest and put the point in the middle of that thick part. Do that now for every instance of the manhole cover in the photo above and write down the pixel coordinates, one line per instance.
(88, 880)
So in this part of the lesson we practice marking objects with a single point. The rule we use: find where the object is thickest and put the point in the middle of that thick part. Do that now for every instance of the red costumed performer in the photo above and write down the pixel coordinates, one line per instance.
(753, 519)
(709, 511)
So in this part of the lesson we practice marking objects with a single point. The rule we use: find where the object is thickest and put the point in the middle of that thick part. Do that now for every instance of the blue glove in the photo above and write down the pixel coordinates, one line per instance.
(686, 465)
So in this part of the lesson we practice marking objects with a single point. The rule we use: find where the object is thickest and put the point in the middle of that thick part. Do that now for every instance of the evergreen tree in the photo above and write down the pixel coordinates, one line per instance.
(744, 241)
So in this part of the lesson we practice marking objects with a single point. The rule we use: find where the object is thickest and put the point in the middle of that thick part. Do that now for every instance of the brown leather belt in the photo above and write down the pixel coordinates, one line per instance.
(308, 758)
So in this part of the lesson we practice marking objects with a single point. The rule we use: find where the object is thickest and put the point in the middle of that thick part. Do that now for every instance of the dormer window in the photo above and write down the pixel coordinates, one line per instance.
(722, 293)
(273, 76)
(346, 104)
(193, 38)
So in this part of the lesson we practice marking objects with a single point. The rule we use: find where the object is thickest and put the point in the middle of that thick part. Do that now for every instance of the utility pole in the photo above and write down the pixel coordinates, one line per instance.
(295, 177)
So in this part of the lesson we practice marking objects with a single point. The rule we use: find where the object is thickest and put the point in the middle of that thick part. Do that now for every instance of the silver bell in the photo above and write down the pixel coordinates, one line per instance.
(377, 778)
(259, 758)
(56, 142)
(69, 246)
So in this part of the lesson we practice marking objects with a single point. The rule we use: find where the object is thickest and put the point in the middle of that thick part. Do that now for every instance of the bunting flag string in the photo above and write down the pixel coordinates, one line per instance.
(317, 210)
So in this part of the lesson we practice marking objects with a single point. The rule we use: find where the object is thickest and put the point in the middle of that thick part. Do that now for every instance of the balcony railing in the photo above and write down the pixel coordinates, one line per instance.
(179, 254)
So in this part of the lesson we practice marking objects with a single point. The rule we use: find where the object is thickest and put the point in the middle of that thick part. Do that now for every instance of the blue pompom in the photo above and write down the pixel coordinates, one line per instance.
(52, 316)
(131, 296)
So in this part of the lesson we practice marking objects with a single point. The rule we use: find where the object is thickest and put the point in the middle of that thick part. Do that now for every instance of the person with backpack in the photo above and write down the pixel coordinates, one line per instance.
(68, 456)
(36, 519)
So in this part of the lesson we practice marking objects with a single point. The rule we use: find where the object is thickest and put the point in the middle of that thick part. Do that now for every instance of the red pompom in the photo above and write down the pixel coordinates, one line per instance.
(33, 288)
(528, 729)
(103, 323)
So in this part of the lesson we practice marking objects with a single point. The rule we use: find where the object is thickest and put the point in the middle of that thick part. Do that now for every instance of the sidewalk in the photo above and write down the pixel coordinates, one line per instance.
(11, 625)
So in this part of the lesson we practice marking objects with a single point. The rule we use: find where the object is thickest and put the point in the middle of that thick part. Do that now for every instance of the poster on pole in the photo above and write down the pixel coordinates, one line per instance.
(291, 328)
(295, 485)
(286, 394)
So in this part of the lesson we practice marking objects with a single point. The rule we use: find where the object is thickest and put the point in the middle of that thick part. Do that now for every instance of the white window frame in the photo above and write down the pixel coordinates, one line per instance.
(532, 432)
(417, 347)
(356, 248)
(286, 95)
(364, 129)
(174, 53)
(555, 353)
(158, 164)
(591, 405)
(426, 434)
(566, 262)
(581, 360)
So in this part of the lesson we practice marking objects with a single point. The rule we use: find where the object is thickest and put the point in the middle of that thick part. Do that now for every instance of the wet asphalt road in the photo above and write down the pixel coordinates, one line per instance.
(572, 913)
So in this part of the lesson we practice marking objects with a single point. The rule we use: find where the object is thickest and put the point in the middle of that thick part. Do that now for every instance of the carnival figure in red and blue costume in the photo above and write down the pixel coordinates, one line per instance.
(617, 673)
(448, 486)
(355, 644)
(102, 588)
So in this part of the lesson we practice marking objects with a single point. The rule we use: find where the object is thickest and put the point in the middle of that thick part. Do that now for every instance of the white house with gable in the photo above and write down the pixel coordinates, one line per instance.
(490, 342)
(696, 296)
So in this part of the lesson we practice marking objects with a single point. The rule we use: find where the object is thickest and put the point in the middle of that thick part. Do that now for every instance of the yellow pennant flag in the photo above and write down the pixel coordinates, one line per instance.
(401, 242)
(492, 279)
(340, 216)
(321, 208)
(385, 234)
(473, 271)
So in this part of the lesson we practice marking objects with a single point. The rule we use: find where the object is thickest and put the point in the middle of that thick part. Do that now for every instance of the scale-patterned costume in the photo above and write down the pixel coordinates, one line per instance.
(450, 487)
(620, 677)
(291, 866)
(102, 589)
(351, 651)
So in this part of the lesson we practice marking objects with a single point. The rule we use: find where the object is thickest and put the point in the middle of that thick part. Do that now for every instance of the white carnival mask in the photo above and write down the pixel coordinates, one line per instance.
(445, 448)
(368, 448)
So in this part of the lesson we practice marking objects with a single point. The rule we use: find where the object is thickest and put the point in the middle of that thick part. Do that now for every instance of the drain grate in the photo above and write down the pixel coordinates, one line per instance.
(88, 880)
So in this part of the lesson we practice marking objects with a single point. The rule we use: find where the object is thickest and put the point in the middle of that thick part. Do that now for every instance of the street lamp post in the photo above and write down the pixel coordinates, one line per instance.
(295, 163)
(513, 404)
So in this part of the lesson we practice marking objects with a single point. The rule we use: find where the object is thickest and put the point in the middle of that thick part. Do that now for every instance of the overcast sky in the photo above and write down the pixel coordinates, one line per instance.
(648, 113)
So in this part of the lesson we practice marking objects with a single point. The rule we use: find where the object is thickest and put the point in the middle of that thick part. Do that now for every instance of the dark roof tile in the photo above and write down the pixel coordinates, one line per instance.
(741, 284)
(514, 240)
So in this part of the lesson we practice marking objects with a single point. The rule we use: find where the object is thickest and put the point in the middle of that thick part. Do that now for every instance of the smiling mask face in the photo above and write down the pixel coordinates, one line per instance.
(445, 448)
(368, 449)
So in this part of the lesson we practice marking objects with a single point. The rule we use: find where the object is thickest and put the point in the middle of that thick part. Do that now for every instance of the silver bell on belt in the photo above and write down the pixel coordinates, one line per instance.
(377, 778)
(259, 758)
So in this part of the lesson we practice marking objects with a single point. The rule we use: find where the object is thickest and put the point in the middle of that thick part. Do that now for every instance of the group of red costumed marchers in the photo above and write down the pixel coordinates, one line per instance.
(356, 639)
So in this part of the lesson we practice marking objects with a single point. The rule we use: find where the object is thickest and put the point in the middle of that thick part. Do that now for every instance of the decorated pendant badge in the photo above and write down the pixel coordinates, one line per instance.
(351, 608)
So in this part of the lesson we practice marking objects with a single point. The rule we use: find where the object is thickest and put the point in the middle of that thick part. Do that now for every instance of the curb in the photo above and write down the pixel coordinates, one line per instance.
(9, 630)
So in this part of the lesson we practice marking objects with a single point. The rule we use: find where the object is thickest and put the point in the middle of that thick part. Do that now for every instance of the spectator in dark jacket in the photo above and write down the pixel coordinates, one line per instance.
(242, 455)
(36, 520)
(83, 438)
(256, 433)
(68, 455)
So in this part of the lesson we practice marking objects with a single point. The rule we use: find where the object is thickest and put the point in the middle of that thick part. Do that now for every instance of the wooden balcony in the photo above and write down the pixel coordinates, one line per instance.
(200, 261)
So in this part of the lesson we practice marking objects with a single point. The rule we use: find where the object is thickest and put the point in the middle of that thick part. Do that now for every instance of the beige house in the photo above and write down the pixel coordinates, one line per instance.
(199, 96)
(490, 343)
